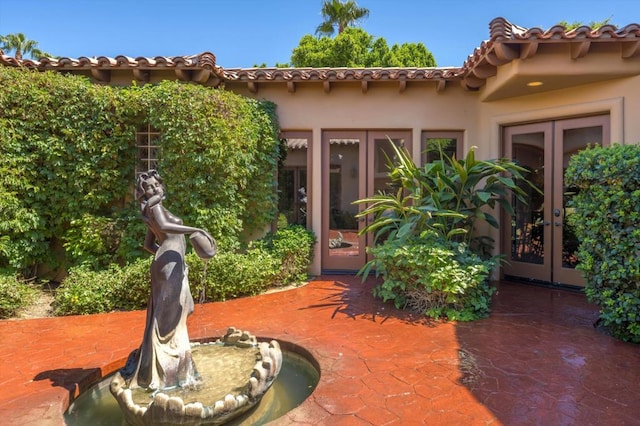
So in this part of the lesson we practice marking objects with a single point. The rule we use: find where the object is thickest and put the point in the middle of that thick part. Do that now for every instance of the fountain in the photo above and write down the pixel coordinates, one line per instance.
(160, 383)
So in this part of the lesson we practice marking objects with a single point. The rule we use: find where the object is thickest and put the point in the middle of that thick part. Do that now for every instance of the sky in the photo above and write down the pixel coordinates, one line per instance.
(246, 33)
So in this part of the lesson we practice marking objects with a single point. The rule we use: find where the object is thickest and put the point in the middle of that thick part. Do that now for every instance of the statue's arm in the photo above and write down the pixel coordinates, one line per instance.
(168, 226)
(150, 242)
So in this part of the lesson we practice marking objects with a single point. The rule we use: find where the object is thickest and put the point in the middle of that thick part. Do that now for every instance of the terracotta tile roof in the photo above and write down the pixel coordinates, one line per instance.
(202, 60)
(507, 42)
(204, 63)
(500, 30)
(339, 74)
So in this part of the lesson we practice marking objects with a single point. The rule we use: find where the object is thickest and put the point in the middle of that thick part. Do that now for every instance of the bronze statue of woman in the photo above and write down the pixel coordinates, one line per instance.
(164, 358)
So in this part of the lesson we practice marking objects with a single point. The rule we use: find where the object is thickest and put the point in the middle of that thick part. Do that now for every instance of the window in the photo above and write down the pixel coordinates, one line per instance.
(294, 197)
(450, 142)
(292, 183)
(147, 139)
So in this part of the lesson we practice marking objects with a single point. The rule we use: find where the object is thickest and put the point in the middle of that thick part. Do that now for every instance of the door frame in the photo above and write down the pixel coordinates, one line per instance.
(562, 274)
(366, 173)
(552, 269)
(341, 263)
(538, 272)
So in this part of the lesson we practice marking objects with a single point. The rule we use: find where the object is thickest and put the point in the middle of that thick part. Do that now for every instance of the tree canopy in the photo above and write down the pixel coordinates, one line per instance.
(337, 13)
(21, 46)
(356, 48)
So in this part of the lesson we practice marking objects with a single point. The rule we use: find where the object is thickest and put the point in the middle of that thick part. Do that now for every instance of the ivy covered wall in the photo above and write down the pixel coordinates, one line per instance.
(67, 156)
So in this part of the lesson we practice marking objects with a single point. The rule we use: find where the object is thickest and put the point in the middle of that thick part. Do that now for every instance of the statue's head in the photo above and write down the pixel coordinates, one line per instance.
(149, 183)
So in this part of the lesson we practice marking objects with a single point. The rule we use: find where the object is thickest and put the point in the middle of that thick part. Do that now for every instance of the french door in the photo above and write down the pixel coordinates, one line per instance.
(538, 241)
(353, 167)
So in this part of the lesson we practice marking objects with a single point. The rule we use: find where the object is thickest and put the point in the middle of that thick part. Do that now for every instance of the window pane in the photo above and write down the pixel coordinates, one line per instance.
(147, 141)
(344, 178)
(432, 147)
(527, 230)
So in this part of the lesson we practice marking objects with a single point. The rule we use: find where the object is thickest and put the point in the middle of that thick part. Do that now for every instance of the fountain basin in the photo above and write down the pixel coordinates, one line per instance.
(297, 379)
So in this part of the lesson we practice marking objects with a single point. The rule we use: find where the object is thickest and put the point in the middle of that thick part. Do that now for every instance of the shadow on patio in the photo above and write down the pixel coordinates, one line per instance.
(538, 360)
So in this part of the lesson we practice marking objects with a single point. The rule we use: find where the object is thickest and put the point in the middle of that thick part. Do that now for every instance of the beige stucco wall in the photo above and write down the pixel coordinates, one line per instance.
(420, 107)
(620, 98)
(346, 107)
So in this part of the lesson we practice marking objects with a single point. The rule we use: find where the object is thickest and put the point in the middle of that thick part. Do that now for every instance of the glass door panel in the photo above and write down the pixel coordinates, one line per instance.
(539, 243)
(354, 167)
(343, 183)
(381, 152)
(529, 231)
(571, 136)
(293, 192)
(379, 157)
(449, 142)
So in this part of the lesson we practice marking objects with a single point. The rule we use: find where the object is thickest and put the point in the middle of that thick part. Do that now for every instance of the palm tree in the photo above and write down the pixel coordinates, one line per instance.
(340, 14)
(18, 42)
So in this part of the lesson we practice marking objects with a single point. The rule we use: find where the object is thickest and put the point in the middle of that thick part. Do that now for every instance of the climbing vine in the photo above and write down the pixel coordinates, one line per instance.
(67, 155)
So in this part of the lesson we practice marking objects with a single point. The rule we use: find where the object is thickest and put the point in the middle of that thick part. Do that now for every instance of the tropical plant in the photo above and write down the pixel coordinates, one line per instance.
(447, 196)
(606, 222)
(21, 46)
(426, 226)
(341, 14)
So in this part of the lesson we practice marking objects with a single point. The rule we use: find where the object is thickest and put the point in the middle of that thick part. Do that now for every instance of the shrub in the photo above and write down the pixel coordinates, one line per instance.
(66, 149)
(432, 257)
(433, 276)
(293, 248)
(607, 225)
(219, 157)
(134, 285)
(85, 291)
(279, 259)
(15, 294)
(229, 275)
(93, 240)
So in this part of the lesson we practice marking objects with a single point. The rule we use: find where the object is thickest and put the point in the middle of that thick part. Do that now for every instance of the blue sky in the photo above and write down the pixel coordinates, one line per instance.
(242, 33)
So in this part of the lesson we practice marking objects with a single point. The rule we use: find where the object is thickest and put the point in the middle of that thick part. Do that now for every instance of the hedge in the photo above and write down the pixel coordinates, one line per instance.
(607, 225)
(67, 156)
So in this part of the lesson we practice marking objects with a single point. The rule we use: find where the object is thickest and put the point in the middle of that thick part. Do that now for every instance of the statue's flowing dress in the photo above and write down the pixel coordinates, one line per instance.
(164, 358)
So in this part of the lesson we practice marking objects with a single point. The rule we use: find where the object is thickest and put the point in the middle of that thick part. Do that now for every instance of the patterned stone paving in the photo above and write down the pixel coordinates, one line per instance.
(537, 360)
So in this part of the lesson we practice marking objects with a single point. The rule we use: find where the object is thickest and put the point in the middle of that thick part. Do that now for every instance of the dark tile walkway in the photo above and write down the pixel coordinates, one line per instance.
(537, 360)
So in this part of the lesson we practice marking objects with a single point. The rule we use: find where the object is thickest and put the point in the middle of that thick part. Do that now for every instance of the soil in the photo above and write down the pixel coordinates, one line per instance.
(40, 307)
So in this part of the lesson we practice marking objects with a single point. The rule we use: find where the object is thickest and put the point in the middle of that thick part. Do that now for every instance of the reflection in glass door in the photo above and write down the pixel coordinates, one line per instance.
(354, 167)
(538, 241)
(293, 197)
(346, 156)
(575, 135)
(529, 229)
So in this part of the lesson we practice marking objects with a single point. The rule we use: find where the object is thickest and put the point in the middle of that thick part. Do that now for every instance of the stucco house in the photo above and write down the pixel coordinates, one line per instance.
(537, 96)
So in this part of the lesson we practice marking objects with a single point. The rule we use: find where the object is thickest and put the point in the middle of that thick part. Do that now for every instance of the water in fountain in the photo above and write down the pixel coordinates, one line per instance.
(296, 381)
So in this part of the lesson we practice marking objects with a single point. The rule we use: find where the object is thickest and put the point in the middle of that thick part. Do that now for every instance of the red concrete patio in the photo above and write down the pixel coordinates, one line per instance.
(537, 360)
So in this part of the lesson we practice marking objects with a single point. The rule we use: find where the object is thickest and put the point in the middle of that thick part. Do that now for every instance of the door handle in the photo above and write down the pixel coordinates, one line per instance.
(557, 223)
(546, 223)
